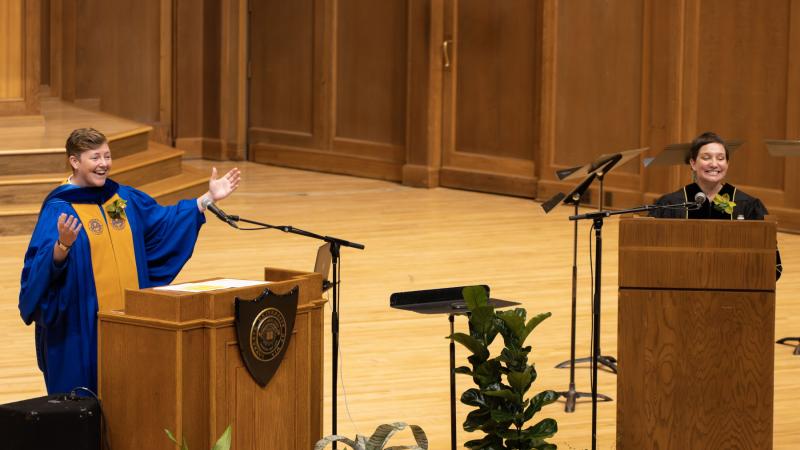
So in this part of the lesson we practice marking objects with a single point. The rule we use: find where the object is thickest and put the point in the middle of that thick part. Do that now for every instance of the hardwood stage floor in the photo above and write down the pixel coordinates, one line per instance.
(395, 364)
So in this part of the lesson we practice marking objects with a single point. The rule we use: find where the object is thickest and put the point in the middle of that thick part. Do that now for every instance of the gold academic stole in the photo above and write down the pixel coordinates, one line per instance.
(113, 258)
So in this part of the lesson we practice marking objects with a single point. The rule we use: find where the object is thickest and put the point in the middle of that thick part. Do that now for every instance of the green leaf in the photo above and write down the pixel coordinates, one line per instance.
(504, 416)
(474, 297)
(474, 397)
(538, 401)
(224, 441)
(172, 438)
(476, 419)
(487, 373)
(514, 322)
(482, 321)
(464, 370)
(505, 394)
(533, 323)
(520, 381)
(472, 344)
(488, 442)
(544, 429)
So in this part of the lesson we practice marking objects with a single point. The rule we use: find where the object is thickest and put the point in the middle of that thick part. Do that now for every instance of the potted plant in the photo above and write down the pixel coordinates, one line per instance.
(502, 405)
(378, 439)
(223, 443)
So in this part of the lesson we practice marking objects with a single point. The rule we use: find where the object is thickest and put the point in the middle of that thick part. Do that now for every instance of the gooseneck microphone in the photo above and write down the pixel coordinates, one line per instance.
(700, 198)
(208, 204)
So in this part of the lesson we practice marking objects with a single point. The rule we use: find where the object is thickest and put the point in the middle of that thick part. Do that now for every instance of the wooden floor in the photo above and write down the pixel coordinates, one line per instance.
(395, 364)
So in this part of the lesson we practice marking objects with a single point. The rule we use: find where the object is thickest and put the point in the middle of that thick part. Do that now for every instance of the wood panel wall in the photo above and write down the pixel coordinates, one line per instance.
(360, 87)
(19, 57)
(329, 85)
(115, 55)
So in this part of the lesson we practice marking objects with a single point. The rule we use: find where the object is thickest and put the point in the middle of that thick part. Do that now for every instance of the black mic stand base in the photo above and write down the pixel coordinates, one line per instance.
(790, 339)
(572, 396)
(608, 361)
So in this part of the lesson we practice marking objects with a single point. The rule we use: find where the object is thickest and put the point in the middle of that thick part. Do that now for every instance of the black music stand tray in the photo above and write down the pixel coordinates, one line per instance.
(679, 154)
(785, 148)
(448, 301)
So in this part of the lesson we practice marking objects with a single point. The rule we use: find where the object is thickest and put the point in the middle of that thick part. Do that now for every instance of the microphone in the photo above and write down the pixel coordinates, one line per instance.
(700, 198)
(208, 204)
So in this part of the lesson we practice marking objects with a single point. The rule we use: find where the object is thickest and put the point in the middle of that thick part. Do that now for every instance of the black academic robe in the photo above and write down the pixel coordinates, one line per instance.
(747, 207)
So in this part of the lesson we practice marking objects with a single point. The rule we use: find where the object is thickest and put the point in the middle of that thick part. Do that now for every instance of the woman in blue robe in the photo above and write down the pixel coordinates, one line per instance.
(61, 277)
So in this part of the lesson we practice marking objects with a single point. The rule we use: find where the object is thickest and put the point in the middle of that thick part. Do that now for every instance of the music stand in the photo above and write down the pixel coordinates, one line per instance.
(448, 301)
(602, 165)
(679, 154)
(573, 198)
(789, 149)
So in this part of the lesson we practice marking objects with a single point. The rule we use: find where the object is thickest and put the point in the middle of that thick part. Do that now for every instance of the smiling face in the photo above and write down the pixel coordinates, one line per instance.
(711, 164)
(91, 167)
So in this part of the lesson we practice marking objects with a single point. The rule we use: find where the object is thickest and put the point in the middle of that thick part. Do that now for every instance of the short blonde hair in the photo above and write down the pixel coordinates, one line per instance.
(84, 139)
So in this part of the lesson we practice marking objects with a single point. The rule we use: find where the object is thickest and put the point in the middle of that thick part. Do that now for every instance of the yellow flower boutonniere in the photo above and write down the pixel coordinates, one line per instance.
(116, 210)
(723, 203)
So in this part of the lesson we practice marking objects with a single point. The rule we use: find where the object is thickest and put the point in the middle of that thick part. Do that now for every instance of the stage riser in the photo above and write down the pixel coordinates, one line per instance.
(39, 161)
(150, 173)
(25, 163)
(26, 193)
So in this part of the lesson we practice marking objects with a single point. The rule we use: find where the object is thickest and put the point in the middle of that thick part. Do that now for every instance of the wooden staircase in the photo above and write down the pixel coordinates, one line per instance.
(27, 175)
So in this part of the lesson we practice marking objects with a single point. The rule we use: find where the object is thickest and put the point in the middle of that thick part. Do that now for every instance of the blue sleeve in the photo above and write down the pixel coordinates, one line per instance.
(169, 235)
(42, 296)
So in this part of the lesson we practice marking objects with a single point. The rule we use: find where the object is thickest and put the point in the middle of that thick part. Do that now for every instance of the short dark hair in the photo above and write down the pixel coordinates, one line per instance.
(84, 139)
(709, 137)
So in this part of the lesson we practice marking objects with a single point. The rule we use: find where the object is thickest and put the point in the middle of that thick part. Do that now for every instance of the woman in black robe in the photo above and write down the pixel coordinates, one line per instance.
(708, 157)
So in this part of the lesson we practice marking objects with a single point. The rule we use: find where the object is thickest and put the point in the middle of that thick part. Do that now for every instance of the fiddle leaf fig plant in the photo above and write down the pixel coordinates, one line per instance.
(379, 439)
(502, 405)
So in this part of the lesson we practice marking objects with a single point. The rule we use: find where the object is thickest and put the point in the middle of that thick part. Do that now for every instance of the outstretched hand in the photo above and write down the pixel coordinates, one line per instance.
(220, 188)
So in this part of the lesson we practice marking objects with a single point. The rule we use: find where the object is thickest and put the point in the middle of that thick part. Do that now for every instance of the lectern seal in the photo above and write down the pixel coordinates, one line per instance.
(264, 328)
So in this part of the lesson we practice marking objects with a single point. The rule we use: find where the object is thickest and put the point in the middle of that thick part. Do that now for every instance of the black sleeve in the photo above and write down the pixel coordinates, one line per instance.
(669, 213)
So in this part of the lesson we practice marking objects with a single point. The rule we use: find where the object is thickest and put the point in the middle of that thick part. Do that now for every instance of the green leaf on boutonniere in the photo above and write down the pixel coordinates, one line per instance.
(116, 210)
(723, 203)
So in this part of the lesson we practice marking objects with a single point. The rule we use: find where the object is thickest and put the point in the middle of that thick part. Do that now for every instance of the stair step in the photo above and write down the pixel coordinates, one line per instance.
(190, 183)
(49, 160)
(153, 164)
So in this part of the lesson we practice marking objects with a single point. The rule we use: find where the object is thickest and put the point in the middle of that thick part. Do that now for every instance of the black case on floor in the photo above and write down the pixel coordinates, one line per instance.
(54, 422)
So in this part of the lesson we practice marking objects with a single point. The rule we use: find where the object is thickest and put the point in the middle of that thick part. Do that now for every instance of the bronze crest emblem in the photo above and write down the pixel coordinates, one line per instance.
(264, 328)
(96, 226)
(118, 223)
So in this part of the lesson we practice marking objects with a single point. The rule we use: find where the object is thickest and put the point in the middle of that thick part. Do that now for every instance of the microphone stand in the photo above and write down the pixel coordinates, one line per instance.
(609, 361)
(336, 244)
(597, 218)
(571, 395)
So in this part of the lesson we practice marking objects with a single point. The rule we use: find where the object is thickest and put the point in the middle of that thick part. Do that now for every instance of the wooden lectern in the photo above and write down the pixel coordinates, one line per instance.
(696, 334)
(171, 360)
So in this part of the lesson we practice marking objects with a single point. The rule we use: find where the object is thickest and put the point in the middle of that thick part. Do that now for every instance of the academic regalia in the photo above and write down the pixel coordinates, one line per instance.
(63, 298)
(747, 206)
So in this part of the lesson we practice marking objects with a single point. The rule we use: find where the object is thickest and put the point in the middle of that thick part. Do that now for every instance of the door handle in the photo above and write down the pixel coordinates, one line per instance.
(446, 53)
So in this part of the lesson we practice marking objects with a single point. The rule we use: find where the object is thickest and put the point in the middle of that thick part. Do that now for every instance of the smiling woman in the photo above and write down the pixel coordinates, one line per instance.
(709, 158)
(95, 238)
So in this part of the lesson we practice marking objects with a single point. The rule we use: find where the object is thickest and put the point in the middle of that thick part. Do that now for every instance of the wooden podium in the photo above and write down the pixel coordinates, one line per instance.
(171, 360)
(696, 334)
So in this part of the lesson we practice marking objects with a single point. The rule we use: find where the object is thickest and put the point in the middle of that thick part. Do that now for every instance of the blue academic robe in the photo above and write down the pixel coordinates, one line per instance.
(62, 299)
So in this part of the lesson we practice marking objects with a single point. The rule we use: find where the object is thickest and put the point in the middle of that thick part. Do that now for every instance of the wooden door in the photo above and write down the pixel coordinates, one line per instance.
(491, 100)
(328, 87)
